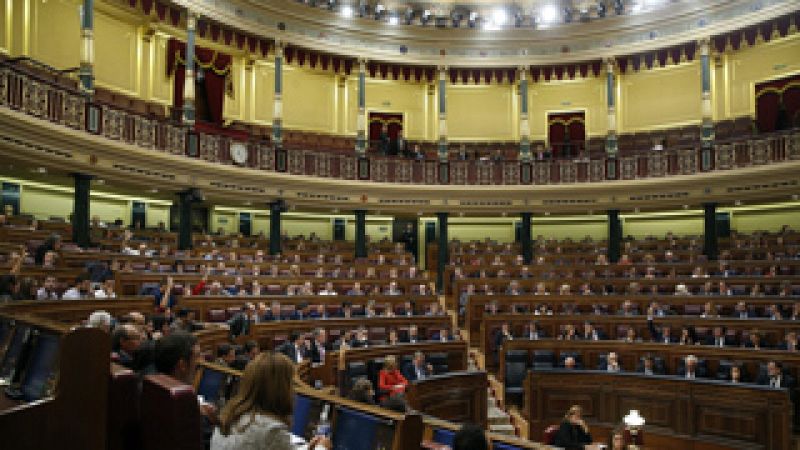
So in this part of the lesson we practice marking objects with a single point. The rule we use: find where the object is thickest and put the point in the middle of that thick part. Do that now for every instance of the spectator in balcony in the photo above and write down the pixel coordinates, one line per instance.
(740, 311)
(709, 311)
(413, 336)
(328, 289)
(719, 338)
(612, 363)
(790, 342)
(777, 378)
(690, 369)
(590, 333)
(48, 289)
(80, 289)
(753, 340)
(540, 289)
(400, 146)
(51, 244)
(393, 289)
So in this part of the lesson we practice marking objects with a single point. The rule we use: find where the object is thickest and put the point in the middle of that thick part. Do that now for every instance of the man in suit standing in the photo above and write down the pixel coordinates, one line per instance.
(417, 370)
(295, 347)
(319, 346)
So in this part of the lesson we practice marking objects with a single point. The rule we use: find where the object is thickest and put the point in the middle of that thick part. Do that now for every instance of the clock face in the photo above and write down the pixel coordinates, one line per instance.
(238, 152)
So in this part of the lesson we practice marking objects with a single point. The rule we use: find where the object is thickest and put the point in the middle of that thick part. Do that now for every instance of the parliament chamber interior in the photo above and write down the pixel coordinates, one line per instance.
(400, 224)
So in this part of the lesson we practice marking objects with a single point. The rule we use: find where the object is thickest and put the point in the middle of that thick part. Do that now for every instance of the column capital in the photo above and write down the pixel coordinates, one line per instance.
(523, 73)
(362, 63)
(442, 69)
(705, 45)
(611, 64)
(191, 20)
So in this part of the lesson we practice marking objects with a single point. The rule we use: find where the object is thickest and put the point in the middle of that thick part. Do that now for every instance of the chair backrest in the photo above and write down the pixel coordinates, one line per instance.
(515, 373)
(438, 361)
(443, 436)
(173, 416)
(517, 356)
(123, 410)
(549, 436)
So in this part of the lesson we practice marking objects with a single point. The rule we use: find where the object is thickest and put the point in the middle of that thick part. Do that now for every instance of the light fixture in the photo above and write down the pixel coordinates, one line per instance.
(346, 11)
(499, 17)
(41, 169)
(634, 423)
(548, 14)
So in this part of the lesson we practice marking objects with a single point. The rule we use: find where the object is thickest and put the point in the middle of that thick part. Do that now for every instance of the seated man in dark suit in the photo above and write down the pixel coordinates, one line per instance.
(789, 342)
(691, 369)
(295, 347)
(503, 334)
(319, 346)
(719, 338)
(176, 355)
(418, 369)
(361, 339)
(125, 343)
(776, 377)
(590, 333)
(413, 336)
(663, 335)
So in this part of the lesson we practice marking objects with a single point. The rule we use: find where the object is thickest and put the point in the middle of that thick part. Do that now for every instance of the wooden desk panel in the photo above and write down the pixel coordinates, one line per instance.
(689, 411)
(771, 330)
(454, 396)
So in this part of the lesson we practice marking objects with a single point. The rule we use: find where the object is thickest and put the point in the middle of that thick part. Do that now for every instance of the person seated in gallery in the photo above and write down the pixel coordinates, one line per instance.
(776, 377)
(611, 363)
(258, 416)
(361, 339)
(790, 342)
(590, 333)
(534, 332)
(690, 369)
(719, 338)
(573, 433)
(661, 334)
(418, 369)
(413, 336)
(390, 381)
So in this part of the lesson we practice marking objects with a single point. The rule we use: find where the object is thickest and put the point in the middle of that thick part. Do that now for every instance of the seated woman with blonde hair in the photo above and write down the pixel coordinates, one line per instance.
(257, 418)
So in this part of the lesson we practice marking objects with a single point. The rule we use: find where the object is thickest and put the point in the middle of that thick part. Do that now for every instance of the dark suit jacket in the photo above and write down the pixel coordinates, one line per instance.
(316, 355)
(571, 437)
(711, 340)
(290, 350)
(699, 371)
(410, 372)
(787, 381)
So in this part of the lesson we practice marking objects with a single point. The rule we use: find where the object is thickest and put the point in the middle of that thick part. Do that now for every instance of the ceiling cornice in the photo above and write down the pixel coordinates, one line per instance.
(324, 31)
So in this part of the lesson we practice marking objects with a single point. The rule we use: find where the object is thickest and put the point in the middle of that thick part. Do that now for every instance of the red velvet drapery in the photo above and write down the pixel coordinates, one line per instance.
(778, 104)
(566, 133)
(378, 119)
(216, 68)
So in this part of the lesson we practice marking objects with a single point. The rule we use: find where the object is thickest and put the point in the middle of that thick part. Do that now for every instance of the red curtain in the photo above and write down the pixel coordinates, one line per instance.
(378, 119)
(566, 133)
(778, 104)
(216, 69)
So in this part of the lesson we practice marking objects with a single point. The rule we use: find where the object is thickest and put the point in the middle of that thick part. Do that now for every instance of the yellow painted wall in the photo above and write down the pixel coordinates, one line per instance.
(116, 54)
(309, 99)
(389, 96)
(660, 98)
(109, 210)
(263, 93)
(481, 112)
(376, 228)
(745, 221)
(5, 30)
(751, 65)
(55, 32)
(682, 224)
(295, 225)
(478, 231)
(227, 220)
(157, 214)
(260, 223)
(43, 203)
(160, 85)
(587, 95)
(574, 228)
